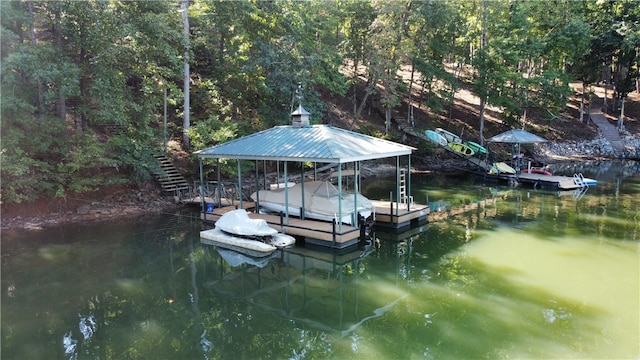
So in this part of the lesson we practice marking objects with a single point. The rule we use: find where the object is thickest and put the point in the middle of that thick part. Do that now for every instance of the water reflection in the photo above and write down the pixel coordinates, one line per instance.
(532, 274)
(325, 291)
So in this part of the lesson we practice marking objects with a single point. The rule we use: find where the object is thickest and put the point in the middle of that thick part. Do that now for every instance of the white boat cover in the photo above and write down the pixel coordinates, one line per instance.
(238, 222)
(321, 201)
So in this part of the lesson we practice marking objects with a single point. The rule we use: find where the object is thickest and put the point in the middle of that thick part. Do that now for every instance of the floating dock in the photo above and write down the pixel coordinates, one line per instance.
(386, 215)
(399, 216)
(538, 181)
(315, 232)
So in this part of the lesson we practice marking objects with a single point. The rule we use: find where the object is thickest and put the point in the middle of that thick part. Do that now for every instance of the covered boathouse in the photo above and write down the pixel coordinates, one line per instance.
(302, 142)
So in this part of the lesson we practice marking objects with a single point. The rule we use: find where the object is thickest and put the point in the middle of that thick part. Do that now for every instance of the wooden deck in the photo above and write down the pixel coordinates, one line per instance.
(390, 215)
(547, 181)
(315, 232)
(235, 204)
(537, 181)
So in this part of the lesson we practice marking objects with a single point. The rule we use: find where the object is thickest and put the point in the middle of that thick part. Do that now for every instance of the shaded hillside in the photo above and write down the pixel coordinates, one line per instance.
(464, 118)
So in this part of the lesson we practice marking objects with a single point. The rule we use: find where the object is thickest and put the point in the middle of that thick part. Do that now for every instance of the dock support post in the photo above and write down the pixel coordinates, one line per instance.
(333, 231)
(301, 188)
(240, 183)
(219, 182)
(281, 222)
(202, 202)
(264, 175)
(397, 185)
(257, 188)
(408, 179)
(286, 191)
(391, 204)
(340, 196)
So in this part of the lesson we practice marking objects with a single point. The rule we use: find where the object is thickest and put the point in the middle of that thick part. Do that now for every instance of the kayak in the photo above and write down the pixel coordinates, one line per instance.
(436, 138)
(461, 149)
(501, 167)
(451, 137)
(477, 147)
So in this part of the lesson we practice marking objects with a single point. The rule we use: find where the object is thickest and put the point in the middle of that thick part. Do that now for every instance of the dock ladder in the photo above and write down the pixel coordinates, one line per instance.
(404, 199)
(578, 179)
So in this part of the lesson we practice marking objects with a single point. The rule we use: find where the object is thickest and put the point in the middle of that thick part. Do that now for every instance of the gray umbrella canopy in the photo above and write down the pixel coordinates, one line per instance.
(516, 136)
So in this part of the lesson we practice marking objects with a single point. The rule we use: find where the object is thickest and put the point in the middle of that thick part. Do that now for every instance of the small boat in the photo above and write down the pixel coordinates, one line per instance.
(238, 222)
(501, 167)
(461, 149)
(320, 201)
(479, 149)
(235, 230)
(436, 138)
(451, 137)
(537, 170)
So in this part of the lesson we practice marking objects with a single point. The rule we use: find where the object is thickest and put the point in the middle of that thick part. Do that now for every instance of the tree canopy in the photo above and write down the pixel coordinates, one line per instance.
(83, 82)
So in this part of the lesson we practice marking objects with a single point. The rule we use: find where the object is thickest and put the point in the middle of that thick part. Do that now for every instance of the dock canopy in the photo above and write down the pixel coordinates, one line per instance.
(517, 136)
(315, 143)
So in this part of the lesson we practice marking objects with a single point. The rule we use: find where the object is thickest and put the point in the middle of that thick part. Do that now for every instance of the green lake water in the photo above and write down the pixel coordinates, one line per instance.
(532, 275)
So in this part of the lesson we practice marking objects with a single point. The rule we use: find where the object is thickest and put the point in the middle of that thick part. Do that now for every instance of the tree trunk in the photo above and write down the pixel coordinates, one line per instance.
(589, 107)
(387, 120)
(32, 34)
(62, 106)
(410, 98)
(584, 86)
(370, 84)
(186, 124)
(621, 116)
(483, 43)
(607, 75)
(482, 111)
(452, 96)
(355, 91)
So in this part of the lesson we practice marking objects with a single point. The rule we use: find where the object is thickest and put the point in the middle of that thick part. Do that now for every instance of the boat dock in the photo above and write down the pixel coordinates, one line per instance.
(315, 232)
(386, 215)
(539, 181)
(399, 216)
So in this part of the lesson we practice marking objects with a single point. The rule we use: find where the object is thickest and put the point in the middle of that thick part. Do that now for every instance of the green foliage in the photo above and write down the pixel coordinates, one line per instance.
(70, 68)
(212, 132)
(133, 152)
(40, 158)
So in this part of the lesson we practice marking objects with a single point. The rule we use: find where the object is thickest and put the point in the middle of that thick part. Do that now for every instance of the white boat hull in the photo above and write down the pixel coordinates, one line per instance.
(250, 247)
(321, 201)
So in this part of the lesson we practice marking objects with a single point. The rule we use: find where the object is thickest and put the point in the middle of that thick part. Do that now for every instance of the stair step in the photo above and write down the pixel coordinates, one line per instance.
(168, 176)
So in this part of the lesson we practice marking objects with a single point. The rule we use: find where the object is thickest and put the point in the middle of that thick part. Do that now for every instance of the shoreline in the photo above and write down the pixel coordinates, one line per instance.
(123, 202)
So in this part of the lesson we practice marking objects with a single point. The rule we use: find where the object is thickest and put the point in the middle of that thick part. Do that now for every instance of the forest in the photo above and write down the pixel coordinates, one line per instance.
(91, 90)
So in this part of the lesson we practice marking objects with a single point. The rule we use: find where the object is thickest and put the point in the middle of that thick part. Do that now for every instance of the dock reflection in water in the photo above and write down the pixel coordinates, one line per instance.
(319, 289)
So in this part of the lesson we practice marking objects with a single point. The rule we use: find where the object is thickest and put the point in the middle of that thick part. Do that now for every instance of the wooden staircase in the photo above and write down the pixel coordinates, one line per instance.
(609, 131)
(168, 176)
